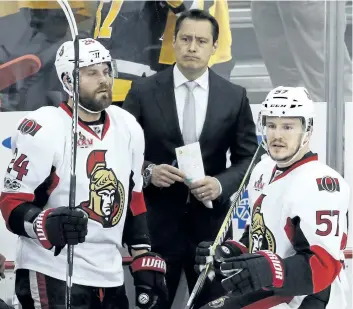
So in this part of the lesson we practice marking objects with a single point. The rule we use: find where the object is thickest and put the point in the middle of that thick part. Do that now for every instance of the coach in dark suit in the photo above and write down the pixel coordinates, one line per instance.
(183, 104)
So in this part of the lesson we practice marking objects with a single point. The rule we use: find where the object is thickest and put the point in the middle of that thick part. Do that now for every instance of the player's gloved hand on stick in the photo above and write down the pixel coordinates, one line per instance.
(58, 227)
(252, 272)
(204, 255)
(148, 270)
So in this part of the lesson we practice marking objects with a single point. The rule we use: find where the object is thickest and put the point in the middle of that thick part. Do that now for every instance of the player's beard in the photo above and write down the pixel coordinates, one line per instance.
(95, 104)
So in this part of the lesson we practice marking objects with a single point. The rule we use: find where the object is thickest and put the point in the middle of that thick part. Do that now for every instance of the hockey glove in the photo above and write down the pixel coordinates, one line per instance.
(252, 272)
(148, 271)
(57, 227)
(230, 248)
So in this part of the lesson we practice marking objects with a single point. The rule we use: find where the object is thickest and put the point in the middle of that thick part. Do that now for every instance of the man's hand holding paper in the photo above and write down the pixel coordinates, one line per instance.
(206, 189)
(165, 175)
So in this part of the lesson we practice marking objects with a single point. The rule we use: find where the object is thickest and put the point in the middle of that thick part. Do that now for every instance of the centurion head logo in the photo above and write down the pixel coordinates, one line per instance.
(260, 236)
(106, 195)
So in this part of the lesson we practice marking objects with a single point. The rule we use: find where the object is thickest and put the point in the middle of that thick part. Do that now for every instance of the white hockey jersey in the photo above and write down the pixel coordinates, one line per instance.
(301, 211)
(106, 167)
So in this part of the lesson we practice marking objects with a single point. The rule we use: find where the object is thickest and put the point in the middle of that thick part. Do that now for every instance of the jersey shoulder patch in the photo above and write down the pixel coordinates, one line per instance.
(39, 127)
(324, 177)
(33, 122)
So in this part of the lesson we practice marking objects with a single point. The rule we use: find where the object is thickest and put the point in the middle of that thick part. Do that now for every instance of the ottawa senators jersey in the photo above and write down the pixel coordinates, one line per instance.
(300, 213)
(108, 176)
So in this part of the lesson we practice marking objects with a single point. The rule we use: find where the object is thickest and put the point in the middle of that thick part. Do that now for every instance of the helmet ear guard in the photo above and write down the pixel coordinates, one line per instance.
(67, 81)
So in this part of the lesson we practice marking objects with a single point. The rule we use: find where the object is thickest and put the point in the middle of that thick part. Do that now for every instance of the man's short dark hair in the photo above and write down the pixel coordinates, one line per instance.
(197, 14)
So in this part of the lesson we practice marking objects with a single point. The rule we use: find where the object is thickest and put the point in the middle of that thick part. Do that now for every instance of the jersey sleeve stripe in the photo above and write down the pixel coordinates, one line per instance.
(54, 178)
(9, 201)
(324, 268)
(343, 241)
(290, 230)
(137, 204)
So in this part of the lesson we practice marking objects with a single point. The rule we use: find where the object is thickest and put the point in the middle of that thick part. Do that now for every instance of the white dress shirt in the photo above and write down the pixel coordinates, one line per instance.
(201, 100)
(200, 94)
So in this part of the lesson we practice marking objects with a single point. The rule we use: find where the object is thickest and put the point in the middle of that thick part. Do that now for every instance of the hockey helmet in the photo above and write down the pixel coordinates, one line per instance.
(288, 102)
(90, 52)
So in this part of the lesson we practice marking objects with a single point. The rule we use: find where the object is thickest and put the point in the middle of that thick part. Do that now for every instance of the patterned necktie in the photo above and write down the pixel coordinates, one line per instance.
(189, 115)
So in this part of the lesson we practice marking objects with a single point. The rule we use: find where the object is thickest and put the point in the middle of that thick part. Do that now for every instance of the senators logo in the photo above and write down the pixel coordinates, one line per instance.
(328, 184)
(261, 238)
(29, 126)
(107, 194)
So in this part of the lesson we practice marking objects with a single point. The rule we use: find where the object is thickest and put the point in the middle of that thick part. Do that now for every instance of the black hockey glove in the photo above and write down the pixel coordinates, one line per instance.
(57, 227)
(230, 248)
(148, 271)
(252, 272)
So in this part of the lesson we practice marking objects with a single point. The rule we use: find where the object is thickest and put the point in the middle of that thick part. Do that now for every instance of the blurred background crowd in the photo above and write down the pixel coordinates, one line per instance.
(262, 44)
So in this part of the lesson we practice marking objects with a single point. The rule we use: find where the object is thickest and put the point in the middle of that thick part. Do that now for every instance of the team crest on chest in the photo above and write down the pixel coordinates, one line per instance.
(106, 192)
(261, 238)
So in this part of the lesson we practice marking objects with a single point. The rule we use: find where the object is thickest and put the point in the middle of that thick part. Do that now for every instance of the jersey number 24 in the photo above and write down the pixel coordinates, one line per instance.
(19, 165)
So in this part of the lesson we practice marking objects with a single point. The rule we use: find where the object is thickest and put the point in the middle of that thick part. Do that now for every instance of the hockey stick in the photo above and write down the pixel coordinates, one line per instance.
(223, 230)
(18, 69)
(72, 197)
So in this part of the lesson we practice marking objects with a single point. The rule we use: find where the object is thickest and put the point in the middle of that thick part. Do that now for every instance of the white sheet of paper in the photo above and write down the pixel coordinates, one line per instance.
(190, 163)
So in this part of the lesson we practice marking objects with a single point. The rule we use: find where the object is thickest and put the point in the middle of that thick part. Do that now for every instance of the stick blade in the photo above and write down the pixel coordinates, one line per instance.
(18, 69)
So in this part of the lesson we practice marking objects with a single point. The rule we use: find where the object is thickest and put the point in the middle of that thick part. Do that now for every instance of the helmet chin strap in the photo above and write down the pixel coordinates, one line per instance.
(89, 111)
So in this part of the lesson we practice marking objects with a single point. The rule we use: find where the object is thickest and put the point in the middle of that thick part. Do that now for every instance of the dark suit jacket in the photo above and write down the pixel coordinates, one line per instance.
(173, 223)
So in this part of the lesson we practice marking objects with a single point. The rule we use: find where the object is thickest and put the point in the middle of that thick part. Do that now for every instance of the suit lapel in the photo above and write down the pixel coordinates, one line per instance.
(166, 101)
(212, 108)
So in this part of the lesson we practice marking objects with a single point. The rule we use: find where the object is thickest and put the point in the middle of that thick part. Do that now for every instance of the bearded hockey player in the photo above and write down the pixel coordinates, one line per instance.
(110, 208)
(290, 253)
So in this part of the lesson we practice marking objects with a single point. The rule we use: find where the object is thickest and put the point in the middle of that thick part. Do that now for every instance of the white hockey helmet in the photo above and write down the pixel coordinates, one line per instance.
(288, 102)
(90, 52)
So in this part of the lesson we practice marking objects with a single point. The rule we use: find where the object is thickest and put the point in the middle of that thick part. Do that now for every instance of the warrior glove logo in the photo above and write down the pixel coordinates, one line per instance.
(276, 267)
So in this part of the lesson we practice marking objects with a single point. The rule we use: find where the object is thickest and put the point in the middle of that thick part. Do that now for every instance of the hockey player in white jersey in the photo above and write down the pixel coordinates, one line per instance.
(110, 208)
(290, 253)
